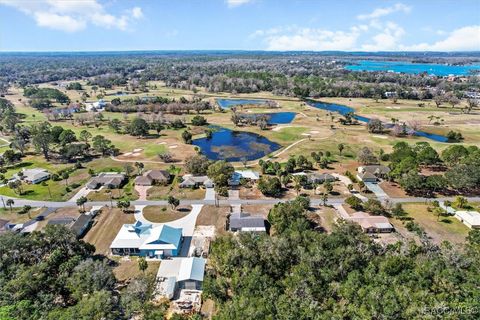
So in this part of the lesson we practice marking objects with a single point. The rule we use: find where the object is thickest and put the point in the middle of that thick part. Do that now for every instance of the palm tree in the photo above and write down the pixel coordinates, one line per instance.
(340, 147)
(10, 203)
(325, 198)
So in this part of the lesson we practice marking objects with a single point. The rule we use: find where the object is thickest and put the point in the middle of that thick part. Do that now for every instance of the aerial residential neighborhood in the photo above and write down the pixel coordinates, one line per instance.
(285, 160)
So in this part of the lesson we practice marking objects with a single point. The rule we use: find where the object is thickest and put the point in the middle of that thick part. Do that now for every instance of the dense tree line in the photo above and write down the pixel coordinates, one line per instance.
(298, 273)
(52, 275)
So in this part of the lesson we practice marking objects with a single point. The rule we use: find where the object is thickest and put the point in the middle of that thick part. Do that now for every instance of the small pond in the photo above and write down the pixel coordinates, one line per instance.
(341, 109)
(412, 68)
(273, 117)
(228, 103)
(229, 145)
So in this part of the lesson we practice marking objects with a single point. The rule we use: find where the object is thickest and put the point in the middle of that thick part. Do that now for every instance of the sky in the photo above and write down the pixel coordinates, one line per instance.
(280, 25)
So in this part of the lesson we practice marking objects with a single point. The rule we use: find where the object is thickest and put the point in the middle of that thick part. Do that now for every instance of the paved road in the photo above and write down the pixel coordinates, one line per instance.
(331, 201)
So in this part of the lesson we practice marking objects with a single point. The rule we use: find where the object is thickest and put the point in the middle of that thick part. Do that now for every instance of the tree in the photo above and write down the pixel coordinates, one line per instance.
(42, 141)
(139, 166)
(138, 127)
(104, 146)
(187, 137)
(220, 172)
(398, 210)
(340, 148)
(81, 202)
(115, 124)
(10, 203)
(374, 207)
(460, 202)
(453, 154)
(142, 264)
(174, 202)
(199, 121)
(65, 177)
(297, 183)
(66, 137)
(197, 165)
(270, 186)
(85, 136)
(366, 156)
(324, 198)
(354, 202)
(123, 204)
(375, 126)
(128, 169)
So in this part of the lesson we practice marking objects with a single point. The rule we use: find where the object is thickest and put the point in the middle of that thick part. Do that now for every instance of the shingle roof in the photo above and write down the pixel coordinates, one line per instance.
(158, 174)
(245, 220)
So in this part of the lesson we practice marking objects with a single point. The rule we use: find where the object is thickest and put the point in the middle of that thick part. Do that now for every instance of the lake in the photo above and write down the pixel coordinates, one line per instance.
(228, 103)
(273, 117)
(413, 68)
(230, 145)
(342, 109)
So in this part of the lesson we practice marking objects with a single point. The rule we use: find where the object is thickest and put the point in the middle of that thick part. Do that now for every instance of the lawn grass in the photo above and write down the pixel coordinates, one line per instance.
(127, 268)
(445, 228)
(162, 214)
(163, 192)
(13, 216)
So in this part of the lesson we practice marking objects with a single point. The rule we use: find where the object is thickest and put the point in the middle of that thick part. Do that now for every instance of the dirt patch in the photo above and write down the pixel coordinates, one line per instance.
(257, 209)
(393, 189)
(214, 216)
(127, 268)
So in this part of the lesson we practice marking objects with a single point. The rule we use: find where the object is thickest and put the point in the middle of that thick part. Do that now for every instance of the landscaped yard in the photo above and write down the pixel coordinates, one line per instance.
(127, 268)
(162, 193)
(161, 214)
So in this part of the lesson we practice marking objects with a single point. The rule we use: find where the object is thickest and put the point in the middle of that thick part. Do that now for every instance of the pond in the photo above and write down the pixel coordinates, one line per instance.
(412, 68)
(273, 117)
(342, 109)
(228, 103)
(229, 145)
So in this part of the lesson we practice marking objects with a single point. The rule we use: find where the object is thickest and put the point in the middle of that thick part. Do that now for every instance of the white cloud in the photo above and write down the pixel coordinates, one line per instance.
(463, 39)
(386, 40)
(74, 15)
(236, 3)
(294, 38)
(381, 12)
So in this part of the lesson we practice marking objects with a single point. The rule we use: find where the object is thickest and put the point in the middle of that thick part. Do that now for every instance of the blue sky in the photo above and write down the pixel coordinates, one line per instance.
(350, 25)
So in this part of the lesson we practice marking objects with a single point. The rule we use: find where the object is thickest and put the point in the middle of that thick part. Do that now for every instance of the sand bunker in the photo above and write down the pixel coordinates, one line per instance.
(173, 147)
(380, 137)
(137, 150)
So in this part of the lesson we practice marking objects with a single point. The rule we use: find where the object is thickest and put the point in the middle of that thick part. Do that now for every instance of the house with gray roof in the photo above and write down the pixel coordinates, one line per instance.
(190, 181)
(153, 177)
(245, 222)
(109, 180)
(319, 177)
(33, 176)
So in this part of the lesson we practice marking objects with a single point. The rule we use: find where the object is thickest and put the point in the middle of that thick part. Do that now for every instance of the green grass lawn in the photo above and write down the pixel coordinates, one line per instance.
(161, 214)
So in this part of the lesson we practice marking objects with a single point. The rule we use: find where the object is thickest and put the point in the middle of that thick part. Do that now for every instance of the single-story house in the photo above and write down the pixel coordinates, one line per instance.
(367, 177)
(244, 222)
(81, 224)
(378, 170)
(320, 177)
(33, 176)
(152, 177)
(109, 180)
(469, 218)
(145, 240)
(190, 181)
(243, 174)
(180, 273)
(371, 224)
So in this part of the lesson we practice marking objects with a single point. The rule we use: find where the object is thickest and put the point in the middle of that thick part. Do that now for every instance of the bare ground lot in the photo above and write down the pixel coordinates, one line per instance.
(127, 268)
(105, 227)
(215, 216)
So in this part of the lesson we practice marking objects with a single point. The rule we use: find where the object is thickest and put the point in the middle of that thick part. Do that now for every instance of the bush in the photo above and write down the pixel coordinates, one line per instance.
(271, 187)
(354, 203)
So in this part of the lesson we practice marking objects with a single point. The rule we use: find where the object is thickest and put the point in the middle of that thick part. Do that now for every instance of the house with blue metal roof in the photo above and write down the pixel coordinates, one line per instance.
(143, 239)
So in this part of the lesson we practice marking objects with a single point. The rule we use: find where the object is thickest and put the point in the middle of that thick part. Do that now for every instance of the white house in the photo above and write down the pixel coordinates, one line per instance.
(33, 176)
(97, 106)
(180, 273)
(143, 239)
(469, 218)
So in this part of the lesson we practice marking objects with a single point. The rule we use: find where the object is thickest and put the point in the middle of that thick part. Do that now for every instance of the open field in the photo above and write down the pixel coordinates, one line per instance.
(14, 215)
(214, 216)
(127, 268)
(444, 228)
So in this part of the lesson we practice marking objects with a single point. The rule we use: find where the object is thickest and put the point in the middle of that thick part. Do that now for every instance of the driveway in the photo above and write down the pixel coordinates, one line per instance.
(210, 194)
(377, 190)
(81, 193)
(142, 192)
(341, 211)
(233, 194)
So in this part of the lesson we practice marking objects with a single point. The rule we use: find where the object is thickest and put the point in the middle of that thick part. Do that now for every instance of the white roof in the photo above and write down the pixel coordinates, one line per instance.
(192, 268)
(182, 269)
(34, 174)
(471, 217)
(248, 174)
(132, 235)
